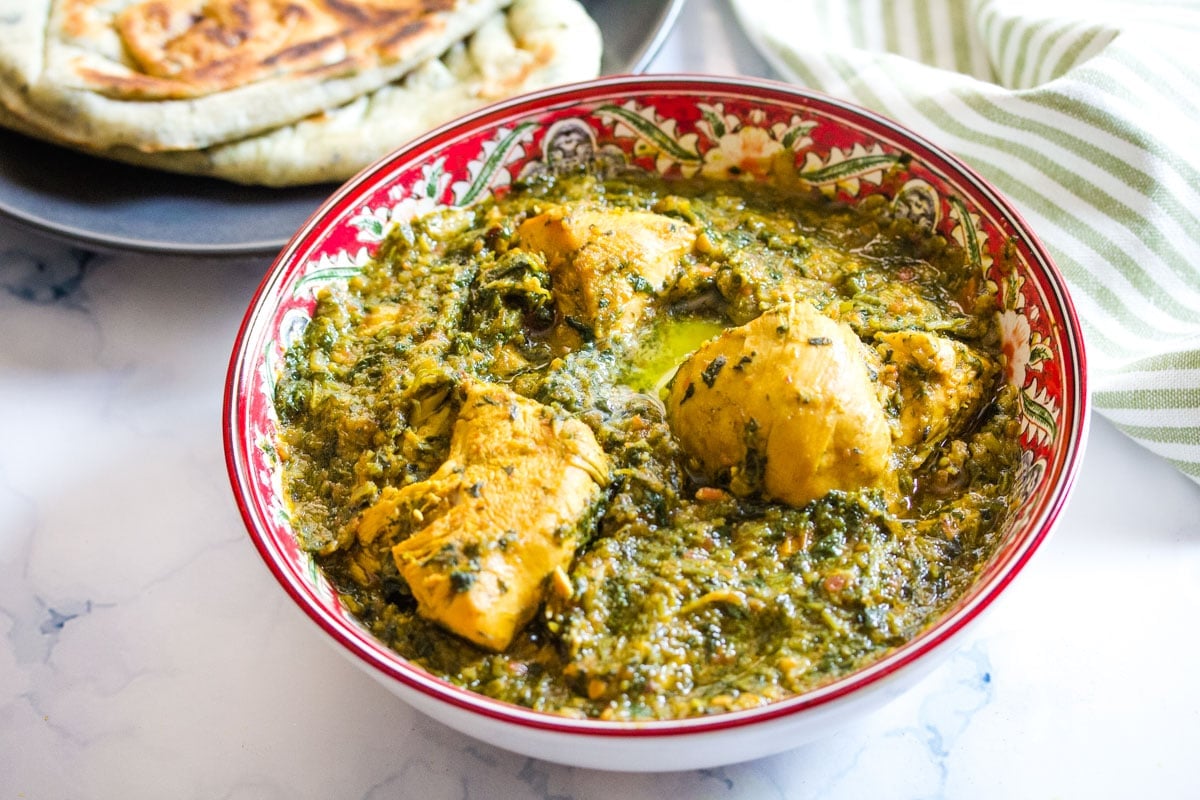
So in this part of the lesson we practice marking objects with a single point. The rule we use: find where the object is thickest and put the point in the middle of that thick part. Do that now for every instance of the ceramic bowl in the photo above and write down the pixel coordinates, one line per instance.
(673, 125)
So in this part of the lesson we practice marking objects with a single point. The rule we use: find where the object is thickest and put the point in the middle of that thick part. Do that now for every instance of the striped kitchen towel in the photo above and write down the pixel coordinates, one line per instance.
(1087, 116)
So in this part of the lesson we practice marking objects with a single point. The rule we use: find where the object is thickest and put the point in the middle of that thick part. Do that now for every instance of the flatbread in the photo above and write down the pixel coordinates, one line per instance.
(185, 74)
(533, 44)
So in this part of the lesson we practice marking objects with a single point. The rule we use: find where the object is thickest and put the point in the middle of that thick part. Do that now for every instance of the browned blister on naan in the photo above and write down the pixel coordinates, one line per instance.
(189, 48)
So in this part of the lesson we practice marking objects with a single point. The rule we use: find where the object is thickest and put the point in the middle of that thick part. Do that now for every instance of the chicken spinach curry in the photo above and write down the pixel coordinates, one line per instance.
(637, 448)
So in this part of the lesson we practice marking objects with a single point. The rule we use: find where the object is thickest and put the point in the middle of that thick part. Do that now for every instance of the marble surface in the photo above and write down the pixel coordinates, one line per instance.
(146, 652)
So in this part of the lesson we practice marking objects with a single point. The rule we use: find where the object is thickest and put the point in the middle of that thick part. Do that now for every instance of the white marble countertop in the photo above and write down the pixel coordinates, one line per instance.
(148, 653)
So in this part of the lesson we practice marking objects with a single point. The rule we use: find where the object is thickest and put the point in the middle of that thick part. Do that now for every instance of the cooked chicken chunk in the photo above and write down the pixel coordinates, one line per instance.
(500, 516)
(607, 263)
(786, 405)
(940, 384)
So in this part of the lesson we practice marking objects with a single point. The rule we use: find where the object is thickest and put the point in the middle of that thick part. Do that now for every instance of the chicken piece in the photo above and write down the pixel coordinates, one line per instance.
(607, 263)
(496, 519)
(787, 405)
(939, 384)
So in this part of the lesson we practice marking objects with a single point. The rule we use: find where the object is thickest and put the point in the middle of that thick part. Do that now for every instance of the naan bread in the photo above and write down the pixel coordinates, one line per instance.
(535, 43)
(184, 74)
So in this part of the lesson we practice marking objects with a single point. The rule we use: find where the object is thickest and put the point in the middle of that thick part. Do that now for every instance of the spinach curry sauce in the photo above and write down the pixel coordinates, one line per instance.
(687, 586)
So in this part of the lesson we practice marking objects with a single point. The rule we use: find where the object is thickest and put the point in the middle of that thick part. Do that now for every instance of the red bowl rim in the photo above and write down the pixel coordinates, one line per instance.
(390, 665)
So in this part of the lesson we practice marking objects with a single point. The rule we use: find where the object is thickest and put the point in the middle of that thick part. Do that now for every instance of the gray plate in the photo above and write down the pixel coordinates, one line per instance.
(111, 206)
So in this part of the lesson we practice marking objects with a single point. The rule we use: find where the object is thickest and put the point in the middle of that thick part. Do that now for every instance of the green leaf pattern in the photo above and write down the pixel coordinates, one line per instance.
(328, 270)
(969, 236)
(846, 170)
(490, 169)
(714, 121)
(1039, 413)
(632, 120)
